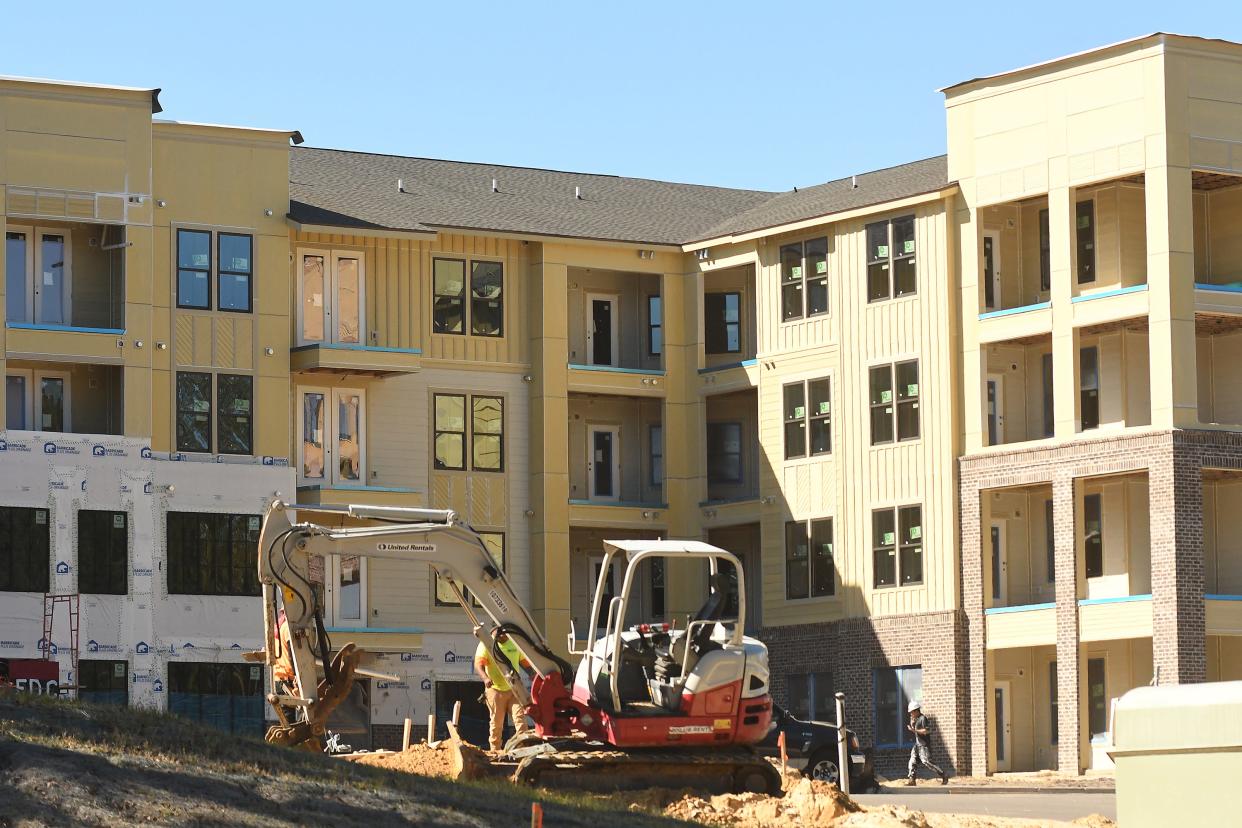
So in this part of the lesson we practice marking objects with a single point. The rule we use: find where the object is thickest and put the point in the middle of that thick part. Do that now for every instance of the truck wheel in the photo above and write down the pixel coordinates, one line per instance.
(823, 767)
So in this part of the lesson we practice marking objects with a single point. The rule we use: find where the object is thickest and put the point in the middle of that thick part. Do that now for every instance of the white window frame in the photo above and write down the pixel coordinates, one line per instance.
(34, 271)
(615, 430)
(331, 304)
(614, 301)
(334, 598)
(331, 463)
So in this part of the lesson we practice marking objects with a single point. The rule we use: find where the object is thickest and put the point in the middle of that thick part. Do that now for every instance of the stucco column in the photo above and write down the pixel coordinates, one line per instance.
(1064, 337)
(140, 404)
(1171, 294)
(685, 452)
(549, 449)
(1069, 698)
(974, 362)
(1179, 644)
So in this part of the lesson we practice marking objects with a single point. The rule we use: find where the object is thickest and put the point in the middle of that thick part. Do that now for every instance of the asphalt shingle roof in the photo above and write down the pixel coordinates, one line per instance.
(355, 189)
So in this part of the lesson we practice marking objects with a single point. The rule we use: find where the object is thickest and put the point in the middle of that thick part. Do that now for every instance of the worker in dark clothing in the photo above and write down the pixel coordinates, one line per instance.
(920, 754)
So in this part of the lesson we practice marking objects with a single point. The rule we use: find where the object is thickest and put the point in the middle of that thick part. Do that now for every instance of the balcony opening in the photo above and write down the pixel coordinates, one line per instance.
(1217, 207)
(1114, 379)
(744, 542)
(1014, 259)
(65, 275)
(616, 320)
(616, 450)
(650, 599)
(1218, 340)
(1222, 532)
(1018, 390)
(1112, 537)
(68, 398)
(1022, 709)
(733, 446)
(1108, 237)
(1113, 668)
(1018, 554)
(729, 326)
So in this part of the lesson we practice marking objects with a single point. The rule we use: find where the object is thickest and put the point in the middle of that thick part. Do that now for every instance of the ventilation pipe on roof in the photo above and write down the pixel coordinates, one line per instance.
(578, 193)
(400, 186)
(854, 182)
(495, 188)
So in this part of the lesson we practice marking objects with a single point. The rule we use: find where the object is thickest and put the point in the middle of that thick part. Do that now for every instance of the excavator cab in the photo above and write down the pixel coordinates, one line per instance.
(707, 667)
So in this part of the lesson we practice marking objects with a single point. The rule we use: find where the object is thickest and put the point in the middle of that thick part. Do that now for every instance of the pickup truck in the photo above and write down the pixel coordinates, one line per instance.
(811, 747)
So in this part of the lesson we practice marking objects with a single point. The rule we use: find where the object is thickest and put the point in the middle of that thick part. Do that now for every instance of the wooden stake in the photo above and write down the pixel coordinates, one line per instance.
(457, 713)
(431, 727)
(780, 740)
(405, 736)
(536, 815)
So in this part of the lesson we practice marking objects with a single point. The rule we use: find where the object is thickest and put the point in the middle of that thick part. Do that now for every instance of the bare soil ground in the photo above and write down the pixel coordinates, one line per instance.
(63, 763)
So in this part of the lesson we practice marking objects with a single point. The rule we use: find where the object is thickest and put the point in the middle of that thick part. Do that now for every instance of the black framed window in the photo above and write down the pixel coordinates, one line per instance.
(487, 433)
(897, 546)
(1084, 235)
(722, 323)
(103, 682)
(891, 263)
(655, 326)
(448, 296)
(1093, 534)
(235, 397)
(810, 571)
(795, 420)
(1052, 701)
(1089, 387)
(895, 688)
(212, 553)
(1045, 252)
(194, 269)
(1050, 424)
(724, 452)
(656, 582)
(193, 411)
(495, 543)
(655, 447)
(450, 431)
(235, 255)
(1050, 542)
(811, 696)
(25, 549)
(228, 697)
(103, 552)
(894, 417)
(487, 302)
(808, 418)
(804, 279)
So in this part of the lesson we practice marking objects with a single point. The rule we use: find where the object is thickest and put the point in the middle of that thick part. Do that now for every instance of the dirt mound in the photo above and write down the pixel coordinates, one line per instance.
(808, 802)
(444, 759)
(1094, 821)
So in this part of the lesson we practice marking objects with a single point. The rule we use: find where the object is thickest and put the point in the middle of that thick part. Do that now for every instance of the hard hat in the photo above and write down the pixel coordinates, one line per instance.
(912, 707)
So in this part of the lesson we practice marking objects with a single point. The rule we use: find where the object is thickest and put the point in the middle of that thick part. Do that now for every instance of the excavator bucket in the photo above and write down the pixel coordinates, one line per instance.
(309, 734)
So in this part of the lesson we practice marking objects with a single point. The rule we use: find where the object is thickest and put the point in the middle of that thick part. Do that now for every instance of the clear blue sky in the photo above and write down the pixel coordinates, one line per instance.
(766, 95)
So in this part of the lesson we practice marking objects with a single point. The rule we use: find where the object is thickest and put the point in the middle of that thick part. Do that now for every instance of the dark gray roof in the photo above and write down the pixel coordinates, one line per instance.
(360, 190)
(876, 187)
(355, 189)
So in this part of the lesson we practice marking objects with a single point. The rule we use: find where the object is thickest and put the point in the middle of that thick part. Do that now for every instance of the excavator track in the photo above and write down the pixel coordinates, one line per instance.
(724, 770)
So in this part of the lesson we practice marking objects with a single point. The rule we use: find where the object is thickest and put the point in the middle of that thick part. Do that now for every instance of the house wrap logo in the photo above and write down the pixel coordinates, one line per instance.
(62, 568)
(416, 657)
(51, 646)
(94, 646)
(142, 648)
(61, 448)
(13, 445)
(104, 451)
(145, 453)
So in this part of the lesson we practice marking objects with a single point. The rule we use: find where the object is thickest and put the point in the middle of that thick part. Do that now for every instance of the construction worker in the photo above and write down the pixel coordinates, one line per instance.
(496, 688)
(920, 754)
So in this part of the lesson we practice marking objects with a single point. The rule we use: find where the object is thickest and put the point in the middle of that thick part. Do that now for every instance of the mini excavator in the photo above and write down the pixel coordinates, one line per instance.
(648, 704)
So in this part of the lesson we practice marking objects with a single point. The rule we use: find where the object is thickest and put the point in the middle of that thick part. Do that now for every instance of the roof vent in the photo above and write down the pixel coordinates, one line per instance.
(400, 186)
(578, 193)
(854, 182)
(495, 187)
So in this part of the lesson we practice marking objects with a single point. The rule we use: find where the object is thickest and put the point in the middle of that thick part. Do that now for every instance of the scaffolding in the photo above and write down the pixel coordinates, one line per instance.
(72, 602)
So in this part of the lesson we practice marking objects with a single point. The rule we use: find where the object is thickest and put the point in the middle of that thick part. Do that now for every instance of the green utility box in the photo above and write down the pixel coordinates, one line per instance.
(1178, 752)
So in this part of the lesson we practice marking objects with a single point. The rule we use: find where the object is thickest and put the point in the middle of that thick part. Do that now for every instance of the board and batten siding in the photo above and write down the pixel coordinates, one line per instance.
(398, 292)
(400, 419)
(858, 478)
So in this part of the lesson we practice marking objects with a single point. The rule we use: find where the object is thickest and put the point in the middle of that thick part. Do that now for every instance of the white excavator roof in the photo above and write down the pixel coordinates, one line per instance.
(665, 547)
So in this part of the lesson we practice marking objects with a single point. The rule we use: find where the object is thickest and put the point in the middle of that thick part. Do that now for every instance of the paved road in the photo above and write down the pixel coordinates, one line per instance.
(1058, 806)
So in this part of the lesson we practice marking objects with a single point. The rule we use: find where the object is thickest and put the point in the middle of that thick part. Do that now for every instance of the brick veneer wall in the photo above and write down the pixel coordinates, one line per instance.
(1174, 462)
(853, 648)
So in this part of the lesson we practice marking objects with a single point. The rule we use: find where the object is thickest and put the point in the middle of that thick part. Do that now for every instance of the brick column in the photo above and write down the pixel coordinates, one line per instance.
(1179, 644)
(1069, 726)
(974, 760)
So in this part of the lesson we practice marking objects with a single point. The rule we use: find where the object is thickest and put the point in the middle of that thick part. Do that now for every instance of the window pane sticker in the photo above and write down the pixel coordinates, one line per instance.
(912, 390)
(799, 411)
(908, 246)
(118, 670)
(881, 250)
(796, 271)
(254, 522)
(886, 396)
(916, 532)
(118, 521)
(821, 267)
(888, 539)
